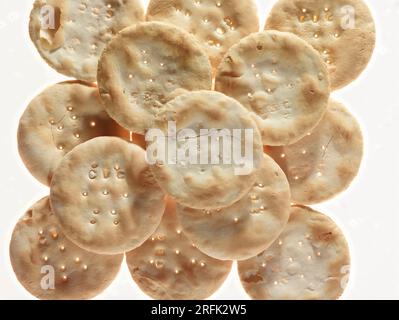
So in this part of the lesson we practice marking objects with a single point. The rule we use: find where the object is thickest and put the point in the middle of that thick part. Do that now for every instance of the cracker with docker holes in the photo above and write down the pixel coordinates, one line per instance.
(281, 79)
(60, 118)
(325, 162)
(217, 24)
(105, 196)
(50, 266)
(343, 31)
(249, 226)
(144, 67)
(168, 266)
(310, 261)
(70, 35)
(212, 185)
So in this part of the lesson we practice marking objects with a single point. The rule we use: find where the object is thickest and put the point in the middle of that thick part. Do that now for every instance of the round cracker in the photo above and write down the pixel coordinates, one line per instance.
(169, 267)
(325, 162)
(326, 25)
(60, 118)
(249, 226)
(105, 196)
(207, 186)
(310, 261)
(144, 67)
(216, 24)
(73, 42)
(39, 250)
(281, 79)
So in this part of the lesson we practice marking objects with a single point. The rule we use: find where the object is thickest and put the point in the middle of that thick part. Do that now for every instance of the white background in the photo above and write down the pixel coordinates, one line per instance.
(367, 212)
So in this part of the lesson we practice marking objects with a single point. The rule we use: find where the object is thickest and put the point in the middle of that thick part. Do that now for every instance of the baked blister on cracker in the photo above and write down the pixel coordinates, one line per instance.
(343, 31)
(168, 266)
(309, 261)
(249, 226)
(326, 161)
(217, 24)
(147, 65)
(281, 79)
(70, 35)
(50, 266)
(61, 117)
(105, 197)
(219, 179)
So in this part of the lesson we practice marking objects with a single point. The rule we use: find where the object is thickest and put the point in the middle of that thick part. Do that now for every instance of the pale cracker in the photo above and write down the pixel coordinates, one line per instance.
(60, 118)
(217, 24)
(50, 266)
(325, 162)
(81, 29)
(249, 226)
(281, 79)
(105, 196)
(310, 261)
(208, 186)
(146, 66)
(169, 267)
(343, 31)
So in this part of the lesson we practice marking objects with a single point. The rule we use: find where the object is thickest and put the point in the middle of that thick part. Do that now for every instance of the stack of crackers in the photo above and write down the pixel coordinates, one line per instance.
(200, 64)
